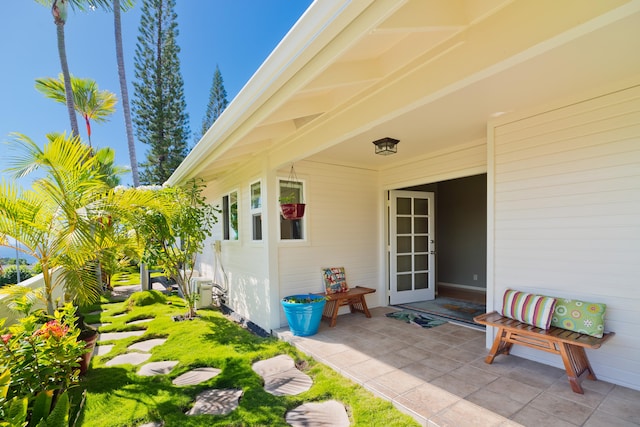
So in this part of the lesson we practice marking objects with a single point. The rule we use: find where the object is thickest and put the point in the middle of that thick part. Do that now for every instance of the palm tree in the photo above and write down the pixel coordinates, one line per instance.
(59, 10)
(69, 218)
(124, 92)
(91, 103)
(54, 221)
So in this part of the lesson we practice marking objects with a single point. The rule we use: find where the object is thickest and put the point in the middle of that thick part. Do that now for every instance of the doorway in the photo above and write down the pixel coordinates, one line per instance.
(459, 238)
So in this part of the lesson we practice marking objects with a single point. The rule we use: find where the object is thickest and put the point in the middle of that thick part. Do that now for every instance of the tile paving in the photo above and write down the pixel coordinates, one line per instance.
(439, 376)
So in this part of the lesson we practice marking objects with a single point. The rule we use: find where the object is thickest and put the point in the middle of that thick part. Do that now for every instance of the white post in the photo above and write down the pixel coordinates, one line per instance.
(144, 277)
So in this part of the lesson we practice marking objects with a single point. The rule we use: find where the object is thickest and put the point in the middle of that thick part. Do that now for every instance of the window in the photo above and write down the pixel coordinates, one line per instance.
(256, 210)
(291, 192)
(230, 216)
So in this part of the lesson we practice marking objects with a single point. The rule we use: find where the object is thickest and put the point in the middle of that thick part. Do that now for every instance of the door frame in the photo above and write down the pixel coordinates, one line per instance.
(428, 244)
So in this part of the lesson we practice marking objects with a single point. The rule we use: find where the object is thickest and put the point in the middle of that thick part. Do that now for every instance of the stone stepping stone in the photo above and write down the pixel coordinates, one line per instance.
(93, 312)
(99, 325)
(115, 316)
(129, 358)
(216, 402)
(153, 424)
(281, 377)
(137, 322)
(157, 368)
(147, 345)
(196, 376)
(108, 336)
(325, 414)
(101, 350)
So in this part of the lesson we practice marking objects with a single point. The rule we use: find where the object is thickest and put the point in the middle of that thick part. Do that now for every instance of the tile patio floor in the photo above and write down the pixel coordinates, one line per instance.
(439, 376)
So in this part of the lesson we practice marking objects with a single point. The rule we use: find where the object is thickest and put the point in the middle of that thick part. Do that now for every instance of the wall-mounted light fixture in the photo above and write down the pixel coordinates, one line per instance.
(386, 146)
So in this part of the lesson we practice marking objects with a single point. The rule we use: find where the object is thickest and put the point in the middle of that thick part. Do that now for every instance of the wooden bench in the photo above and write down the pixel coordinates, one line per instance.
(568, 344)
(354, 298)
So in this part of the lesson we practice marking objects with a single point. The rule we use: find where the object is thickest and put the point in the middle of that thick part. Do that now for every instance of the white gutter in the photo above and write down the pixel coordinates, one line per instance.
(313, 31)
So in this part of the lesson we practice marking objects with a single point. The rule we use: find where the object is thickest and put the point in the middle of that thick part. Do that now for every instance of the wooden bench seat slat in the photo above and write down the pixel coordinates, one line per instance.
(570, 345)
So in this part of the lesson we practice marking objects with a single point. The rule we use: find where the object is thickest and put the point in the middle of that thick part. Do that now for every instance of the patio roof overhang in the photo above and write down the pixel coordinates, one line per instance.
(430, 73)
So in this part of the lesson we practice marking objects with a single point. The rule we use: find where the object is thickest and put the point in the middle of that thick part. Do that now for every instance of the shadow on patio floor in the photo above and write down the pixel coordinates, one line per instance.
(438, 376)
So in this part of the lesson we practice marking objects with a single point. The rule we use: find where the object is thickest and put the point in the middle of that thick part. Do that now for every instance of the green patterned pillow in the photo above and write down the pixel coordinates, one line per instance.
(579, 316)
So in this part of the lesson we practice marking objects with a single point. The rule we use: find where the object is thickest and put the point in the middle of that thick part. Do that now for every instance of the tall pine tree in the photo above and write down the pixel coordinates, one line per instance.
(217, 102)
(159, 105)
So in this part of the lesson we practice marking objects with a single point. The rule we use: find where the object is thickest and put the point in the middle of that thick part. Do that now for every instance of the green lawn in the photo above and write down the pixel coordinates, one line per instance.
(130, 277)
(116, 396)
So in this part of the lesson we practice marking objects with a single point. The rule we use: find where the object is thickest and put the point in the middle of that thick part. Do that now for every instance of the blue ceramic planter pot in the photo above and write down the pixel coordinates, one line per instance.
(303, 317)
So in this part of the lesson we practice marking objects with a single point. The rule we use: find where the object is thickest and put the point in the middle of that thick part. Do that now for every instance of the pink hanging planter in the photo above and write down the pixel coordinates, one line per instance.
(292, 210)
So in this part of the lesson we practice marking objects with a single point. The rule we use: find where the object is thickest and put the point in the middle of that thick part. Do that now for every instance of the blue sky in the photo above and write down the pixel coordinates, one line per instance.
(236, 35)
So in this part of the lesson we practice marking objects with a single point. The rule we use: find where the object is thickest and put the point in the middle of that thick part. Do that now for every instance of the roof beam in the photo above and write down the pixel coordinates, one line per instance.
(427, 15)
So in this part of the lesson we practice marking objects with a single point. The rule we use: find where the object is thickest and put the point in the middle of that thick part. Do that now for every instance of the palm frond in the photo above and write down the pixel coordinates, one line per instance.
(21, 299)
(81, 281)
(28, 158)
(52, 88)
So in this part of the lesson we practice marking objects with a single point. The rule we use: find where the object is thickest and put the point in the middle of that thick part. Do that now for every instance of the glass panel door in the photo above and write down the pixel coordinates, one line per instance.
(412, 247)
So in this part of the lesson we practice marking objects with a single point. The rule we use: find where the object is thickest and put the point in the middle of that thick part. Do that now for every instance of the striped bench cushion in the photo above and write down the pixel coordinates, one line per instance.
(528, 308)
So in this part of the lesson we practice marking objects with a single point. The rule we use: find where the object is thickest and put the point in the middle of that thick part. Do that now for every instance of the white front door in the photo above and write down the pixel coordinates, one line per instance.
(411, 247)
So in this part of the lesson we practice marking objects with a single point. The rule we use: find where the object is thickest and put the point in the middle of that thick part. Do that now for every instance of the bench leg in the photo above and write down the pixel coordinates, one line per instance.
(499, 346)
(576, 364)
(330, 312)
(359, 305)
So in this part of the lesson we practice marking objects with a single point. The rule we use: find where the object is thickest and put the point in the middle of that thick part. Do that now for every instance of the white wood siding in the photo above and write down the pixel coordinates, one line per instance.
(566, 216)
(343, 223)
(460, 160)
(245, 262)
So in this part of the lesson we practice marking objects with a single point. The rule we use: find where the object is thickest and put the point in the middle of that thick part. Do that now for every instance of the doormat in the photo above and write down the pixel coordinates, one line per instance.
(449, 308)
(416, 319)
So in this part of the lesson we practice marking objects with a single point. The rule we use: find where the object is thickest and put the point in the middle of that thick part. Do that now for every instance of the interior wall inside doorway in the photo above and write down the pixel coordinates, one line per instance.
(461, 230)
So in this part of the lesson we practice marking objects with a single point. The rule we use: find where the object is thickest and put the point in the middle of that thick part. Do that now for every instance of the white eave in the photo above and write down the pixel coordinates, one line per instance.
(427, 72)
(313, 31)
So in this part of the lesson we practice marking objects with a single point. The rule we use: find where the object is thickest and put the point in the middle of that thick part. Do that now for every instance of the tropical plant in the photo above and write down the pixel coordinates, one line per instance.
(124, 91)
(39, 363)
(106, 157)
(159, 105)
(59, 12)
(171, 232)
(56, 220)
(118, 6)
(304, 299)
(89, 101)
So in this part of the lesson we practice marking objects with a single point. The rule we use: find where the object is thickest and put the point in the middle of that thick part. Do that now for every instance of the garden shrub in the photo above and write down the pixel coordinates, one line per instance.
(9, 275)
(143, 298)
(39, 361)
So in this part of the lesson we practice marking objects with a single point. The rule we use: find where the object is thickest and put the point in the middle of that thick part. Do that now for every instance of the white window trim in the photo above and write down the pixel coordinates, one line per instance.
(259, 210)
(305, 220)
(239, 218)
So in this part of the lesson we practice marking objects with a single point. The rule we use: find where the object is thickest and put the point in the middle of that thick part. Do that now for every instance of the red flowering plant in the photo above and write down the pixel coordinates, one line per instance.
(39, 355)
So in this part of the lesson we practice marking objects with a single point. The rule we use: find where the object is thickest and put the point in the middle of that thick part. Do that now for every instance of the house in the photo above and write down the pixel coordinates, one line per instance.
(519, 130)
